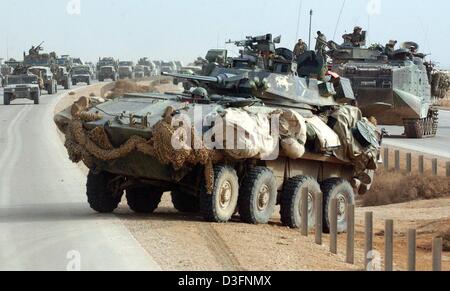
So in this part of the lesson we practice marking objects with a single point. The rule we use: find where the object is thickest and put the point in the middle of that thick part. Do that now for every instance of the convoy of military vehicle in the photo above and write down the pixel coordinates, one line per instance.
(248, 132)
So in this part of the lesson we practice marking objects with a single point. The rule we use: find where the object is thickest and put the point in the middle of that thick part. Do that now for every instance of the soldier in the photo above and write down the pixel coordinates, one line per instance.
(321, 43)
(300, 48)
(390, 47)
(199, 94)
(356, 38)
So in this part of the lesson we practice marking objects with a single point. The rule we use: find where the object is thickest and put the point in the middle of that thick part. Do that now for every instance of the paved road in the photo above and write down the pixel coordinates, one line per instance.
(437, 146)
(45, 223)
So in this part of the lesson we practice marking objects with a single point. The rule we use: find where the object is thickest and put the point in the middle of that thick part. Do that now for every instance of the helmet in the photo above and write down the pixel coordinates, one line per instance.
(357, 28)
(200, 91)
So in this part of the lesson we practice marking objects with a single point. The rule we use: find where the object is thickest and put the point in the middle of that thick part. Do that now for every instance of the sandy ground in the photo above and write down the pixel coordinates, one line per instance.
(184, 242)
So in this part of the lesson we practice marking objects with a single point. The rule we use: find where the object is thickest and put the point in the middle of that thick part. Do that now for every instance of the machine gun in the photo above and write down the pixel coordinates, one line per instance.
(255, 45)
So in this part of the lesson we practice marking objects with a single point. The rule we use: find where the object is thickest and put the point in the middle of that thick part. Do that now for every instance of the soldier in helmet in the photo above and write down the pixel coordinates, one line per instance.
(199, 94)
(390, 47)
(321, 43)
(300, 48)
(356, 38)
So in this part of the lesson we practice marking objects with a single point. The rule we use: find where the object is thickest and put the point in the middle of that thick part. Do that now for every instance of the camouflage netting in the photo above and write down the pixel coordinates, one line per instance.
(87, 145)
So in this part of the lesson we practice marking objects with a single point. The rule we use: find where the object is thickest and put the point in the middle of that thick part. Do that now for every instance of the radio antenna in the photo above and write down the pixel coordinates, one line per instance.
(339, 19)
(297, 33)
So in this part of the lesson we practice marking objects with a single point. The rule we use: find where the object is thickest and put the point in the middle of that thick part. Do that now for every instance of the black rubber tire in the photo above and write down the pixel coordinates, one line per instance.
(101, 80)
(335, 188)
(143, 199)
(74, 83)
(209, 202)
(36, 98)
(290, 201)
(6, 99)
(100, 197)
(249, 199)
(51, 89)
(184, 202)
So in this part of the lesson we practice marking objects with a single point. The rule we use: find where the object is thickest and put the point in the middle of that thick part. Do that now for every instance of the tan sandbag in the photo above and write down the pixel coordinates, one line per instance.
(328, 139)
(292, 148)
(245, 135)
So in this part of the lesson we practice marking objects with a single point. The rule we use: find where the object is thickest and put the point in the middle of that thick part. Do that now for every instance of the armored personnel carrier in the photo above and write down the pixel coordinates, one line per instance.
(392, 85)
(248, 137)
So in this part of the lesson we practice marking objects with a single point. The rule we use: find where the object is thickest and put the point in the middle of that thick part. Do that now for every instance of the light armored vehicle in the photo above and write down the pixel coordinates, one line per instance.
(392, 85)
(21, 86)
(126, 70)
(248, 137)
(81, 74)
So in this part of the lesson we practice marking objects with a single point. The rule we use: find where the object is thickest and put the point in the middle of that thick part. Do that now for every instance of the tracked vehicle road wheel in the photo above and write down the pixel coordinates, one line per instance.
(421, 128)
(291, 201)
(101, 197)
(184, 202)
(143, 199)
(343, 192)
(258, 196)
(221, 204)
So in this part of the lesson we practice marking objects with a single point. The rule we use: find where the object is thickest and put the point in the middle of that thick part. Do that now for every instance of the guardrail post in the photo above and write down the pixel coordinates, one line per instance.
(421, 165)
(409, 162)
(389, 246)
(319, 217)
(397, 161)
(386, 159)
(434, 167)
(437, 254)
(333, 226)
(368, 246)
(412, 247)
(304, 212)
(351, 234)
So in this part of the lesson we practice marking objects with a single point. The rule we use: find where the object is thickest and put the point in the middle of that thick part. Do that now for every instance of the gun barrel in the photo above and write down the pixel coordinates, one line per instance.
(193, 78)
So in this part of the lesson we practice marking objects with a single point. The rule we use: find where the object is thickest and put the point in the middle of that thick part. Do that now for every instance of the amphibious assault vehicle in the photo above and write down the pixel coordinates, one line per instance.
(392, 85)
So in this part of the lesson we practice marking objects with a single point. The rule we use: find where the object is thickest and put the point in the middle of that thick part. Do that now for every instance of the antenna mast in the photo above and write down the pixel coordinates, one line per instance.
(310, 28)
(339, 19)
(297, 34)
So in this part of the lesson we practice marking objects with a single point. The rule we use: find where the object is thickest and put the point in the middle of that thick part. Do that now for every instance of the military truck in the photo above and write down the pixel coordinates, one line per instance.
(61, 73)
(126, 70)
(149, 67)
(139, 72)
(82, 74)
(217, 149)
(392, 85)
(107, 69)
(47, 79)
(168, 67)
(21, 86)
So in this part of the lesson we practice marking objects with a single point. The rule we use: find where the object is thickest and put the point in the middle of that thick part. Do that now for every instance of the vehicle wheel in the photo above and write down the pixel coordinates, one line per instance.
(221, 204)
(101, 197)
(89, 82)
(36, 98)
(66, 85)
(74, 83)
(51, 89)
(6, 99)
(184, 202)
(101, 80)
(258, 196)
(143, 199)
(343, 192)
(291, 205)
(56, 88)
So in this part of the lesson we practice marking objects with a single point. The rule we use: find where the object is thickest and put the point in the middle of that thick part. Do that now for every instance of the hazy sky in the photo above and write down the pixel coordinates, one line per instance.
(185, 29)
